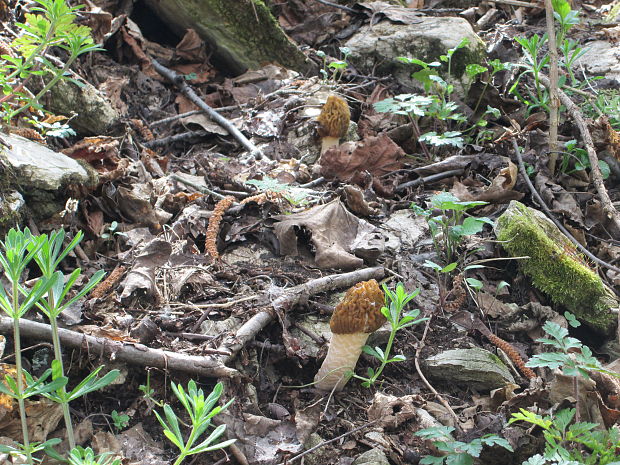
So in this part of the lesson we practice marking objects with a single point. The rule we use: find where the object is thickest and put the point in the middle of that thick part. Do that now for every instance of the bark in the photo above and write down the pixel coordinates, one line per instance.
(244, 33)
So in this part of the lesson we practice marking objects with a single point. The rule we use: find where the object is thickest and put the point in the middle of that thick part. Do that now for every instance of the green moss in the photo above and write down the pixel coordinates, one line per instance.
(554, 268)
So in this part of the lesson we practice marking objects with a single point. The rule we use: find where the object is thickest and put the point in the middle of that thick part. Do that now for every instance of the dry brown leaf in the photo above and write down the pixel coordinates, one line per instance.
(353, 161)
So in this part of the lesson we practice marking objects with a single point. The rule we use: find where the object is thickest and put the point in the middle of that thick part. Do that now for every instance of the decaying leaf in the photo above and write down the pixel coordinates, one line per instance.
(332, 230)
(351, 161)
(142, 274)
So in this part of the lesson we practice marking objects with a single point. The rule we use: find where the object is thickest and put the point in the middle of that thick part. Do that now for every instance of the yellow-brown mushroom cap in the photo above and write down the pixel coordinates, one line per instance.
(360, 310)
(334, 118)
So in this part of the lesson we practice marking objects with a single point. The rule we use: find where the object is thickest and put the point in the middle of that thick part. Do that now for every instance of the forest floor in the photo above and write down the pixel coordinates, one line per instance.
(252, 295)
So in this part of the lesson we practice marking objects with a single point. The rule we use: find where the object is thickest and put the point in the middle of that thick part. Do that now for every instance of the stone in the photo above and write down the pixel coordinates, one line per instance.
(376, 48)
(95, 114)
(556, 267)
(372, 457)
(474, 367)
(601, 59)
(42, 175)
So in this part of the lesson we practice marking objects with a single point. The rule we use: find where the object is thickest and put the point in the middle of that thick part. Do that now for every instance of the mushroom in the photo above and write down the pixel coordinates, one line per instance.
(333, 122)
(354, 319)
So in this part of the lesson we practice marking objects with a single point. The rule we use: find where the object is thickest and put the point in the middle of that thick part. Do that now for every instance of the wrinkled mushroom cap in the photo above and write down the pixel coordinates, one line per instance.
(360, 310)
(334, 118)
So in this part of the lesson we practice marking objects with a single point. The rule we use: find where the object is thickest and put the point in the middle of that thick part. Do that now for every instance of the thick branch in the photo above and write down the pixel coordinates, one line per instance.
(290, 298)
(134, 354)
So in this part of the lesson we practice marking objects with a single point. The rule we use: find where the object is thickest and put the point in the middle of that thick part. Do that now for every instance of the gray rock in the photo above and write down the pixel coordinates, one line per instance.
(95, 114)
(601, 58)
(474, 367)
(371, 457)
(41, 174)
(376, 48)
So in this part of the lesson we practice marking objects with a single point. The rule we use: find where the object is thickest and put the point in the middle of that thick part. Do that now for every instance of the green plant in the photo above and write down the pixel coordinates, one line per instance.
(534, 64)
(148, 391)
(451, 227)
(53, 129)
(81, 456)
(436, 105)
(578, 443)
(395, 304)
(48, 257)
(334, 70)
(294, 195)
(200, 411)
(576, 159)
(111, 231)
(120, 420)
(53, 27)
(18, 249)
(457, 452)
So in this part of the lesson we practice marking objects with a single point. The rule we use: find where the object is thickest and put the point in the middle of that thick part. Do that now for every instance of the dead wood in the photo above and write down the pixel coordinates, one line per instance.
(287, 300)
(196, 100)
(597, 177)
(134, 354)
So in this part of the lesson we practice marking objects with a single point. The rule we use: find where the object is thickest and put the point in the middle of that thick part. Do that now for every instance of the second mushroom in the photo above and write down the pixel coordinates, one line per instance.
(354, 319)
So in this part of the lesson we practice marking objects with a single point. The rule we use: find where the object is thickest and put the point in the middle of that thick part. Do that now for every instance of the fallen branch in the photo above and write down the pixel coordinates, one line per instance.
(134, 354)
(597, 177)
(288, 300)
(196, 100)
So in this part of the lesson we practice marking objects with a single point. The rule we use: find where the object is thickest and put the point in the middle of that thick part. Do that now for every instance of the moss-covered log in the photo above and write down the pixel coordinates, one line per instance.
(243, 33)
(556, 267)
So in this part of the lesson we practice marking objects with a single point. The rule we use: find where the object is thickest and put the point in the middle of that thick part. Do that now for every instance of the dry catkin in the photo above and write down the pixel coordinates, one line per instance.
(214, 225)
(512, 354)
(105, 286)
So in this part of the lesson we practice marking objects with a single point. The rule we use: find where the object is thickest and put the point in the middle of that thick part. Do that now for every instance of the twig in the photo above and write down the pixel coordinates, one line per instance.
(515, 3)
(196, 100)
(170, 119)
(198, 187)
(428, 179)
(134, 354)
(335, 5)
(183, 137)
(325, 443)
(554, 101)
(597, 177)
(443, 401)
(290, 298)
(544, 206)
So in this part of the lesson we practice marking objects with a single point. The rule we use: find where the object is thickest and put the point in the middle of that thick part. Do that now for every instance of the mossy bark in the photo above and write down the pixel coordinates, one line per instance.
(244, 33)
(555, 267)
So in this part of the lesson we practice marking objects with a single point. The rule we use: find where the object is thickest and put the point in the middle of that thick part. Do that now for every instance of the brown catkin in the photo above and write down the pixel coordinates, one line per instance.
(214, 225)
(512, 354)
(105, 286)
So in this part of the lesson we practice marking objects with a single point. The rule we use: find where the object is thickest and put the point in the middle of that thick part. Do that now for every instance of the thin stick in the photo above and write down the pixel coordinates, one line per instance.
(428, 179)
(544, 206)
(554, 103)
(443, 401)
(196, 100)
(597, 177)
(325, 443)
(516, 3)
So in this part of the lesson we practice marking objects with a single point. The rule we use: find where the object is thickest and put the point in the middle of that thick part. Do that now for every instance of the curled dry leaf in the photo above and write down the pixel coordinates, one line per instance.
(332, 229)
(350, 161)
